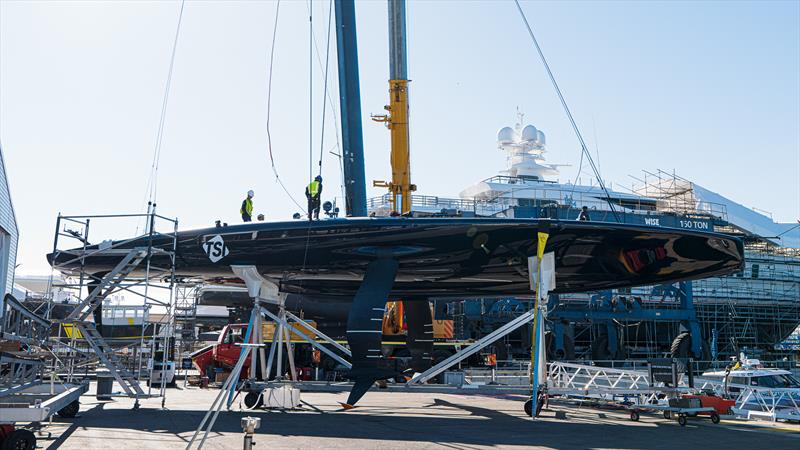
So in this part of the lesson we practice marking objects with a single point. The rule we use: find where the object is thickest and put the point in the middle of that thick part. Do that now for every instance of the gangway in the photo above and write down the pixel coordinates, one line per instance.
(579, 380)
(633, 387)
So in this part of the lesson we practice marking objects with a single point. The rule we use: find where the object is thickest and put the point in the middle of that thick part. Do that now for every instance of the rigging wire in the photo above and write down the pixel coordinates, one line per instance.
(310, 92)
(567, 110)
(333, 106)
(152, 182)
(325, 86)
(269, 109)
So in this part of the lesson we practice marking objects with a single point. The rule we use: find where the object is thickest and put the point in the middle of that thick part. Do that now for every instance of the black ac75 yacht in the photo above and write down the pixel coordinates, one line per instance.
(372, 260)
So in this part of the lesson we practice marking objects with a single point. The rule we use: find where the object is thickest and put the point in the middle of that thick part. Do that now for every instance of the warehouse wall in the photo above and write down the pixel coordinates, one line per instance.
(9, 234)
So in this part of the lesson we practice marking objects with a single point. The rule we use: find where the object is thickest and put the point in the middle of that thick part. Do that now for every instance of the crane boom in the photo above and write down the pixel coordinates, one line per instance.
(397, 119)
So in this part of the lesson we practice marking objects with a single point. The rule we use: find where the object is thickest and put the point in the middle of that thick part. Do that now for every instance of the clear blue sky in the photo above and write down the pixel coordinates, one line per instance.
(708, 89)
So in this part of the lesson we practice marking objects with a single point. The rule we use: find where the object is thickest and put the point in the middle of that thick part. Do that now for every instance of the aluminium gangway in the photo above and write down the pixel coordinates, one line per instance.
(633, 386)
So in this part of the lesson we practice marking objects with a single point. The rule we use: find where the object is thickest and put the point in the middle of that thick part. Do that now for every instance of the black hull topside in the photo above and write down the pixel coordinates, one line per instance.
(436, 257)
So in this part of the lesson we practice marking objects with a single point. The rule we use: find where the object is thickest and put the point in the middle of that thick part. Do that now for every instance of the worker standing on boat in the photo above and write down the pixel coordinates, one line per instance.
(584, 215)
(247, 207)
(313, 193)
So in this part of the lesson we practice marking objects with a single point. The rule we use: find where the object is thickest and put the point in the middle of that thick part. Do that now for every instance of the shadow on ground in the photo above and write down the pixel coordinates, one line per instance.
(445, 422)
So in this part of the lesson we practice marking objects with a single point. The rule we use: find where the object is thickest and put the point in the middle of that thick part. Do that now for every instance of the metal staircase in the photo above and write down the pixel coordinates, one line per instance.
(125, 378)
(107, 284)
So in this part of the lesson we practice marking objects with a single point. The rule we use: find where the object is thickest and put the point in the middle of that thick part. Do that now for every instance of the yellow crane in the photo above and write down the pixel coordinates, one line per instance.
(397, 120)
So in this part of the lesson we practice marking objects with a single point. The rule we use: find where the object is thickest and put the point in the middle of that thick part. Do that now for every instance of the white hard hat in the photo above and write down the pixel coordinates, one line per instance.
(250, 193)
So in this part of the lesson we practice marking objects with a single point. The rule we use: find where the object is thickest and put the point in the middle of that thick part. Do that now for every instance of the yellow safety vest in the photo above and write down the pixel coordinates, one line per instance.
(313, 188)
(247, 207)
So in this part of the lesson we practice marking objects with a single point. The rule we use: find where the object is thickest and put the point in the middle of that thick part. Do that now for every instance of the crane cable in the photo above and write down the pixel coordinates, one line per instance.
(323, 69)
(269, 108)
(325, 84)
(584, 149)
(310, 92)
(152, 182)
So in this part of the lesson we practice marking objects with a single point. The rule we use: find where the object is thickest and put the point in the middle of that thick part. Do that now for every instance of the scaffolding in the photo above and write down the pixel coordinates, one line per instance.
(145, 270)
(675, 195)
(186, 327)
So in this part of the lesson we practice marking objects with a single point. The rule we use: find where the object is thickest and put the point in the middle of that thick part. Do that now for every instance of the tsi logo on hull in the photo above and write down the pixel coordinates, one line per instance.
(215, 248)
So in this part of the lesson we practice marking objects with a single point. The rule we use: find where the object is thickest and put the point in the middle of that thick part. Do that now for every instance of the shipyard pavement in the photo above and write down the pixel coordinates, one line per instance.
(397, 420)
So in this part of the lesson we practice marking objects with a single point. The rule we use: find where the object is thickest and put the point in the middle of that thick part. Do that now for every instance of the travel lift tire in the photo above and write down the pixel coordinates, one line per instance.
(70, 410)
(528, 406)
(20, 439)
(253, 400)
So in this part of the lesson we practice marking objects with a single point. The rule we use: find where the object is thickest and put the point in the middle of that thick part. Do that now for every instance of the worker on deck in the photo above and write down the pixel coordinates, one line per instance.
(247, 207)
(313, 193)
(584, 215)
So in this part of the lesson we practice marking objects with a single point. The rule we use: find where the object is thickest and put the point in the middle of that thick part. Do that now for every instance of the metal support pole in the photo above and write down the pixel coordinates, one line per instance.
(313, 343)
(272, 348)
(216, 406)
(279, 362)
(289, 348)
(472, 349)
(245, 349)
(317, 333)
(535, 266)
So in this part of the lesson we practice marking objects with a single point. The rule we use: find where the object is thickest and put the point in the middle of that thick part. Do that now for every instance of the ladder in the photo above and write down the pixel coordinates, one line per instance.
(106, 354)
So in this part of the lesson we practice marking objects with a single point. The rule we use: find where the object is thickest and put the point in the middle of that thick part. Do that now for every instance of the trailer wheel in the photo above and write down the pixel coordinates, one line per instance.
(667, 415)
(70, 410)
(714, 418)
(20, 439)
(528, 407)
(634, 416)
(252, 400)
(682, 420)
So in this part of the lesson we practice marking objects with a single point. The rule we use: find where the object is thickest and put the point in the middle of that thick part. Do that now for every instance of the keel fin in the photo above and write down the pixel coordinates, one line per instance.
(360, 388)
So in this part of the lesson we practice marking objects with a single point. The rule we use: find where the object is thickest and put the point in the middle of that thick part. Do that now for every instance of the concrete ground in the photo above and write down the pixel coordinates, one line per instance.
(398, 420)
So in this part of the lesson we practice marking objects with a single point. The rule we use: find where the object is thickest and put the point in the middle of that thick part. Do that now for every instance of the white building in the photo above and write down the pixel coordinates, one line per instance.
(9, 234)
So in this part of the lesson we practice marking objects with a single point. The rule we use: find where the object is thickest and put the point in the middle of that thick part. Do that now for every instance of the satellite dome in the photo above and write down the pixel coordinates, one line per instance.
(530, 133)
(540, 137)
(505, 135)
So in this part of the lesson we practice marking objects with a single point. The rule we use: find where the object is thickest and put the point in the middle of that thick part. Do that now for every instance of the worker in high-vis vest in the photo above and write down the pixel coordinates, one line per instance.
(247, 207)
(313, 193)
